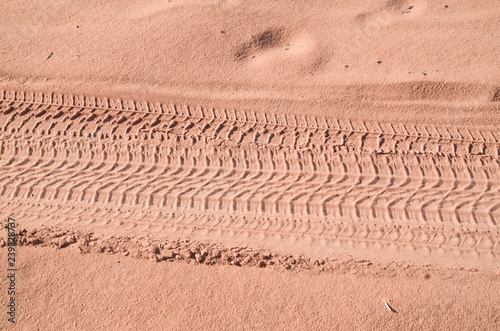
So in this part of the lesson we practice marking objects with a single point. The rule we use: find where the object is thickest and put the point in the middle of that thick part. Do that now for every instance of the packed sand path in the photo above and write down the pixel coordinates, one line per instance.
(305, 184)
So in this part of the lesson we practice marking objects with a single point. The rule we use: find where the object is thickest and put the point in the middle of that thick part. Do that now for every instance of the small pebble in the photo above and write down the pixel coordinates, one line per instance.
(154, 249)
(199, 258)
(173, 246)
(187, 254)
(215, 253)
(66, 241)
(34, 241)
(168, 254)
(267, 255)
(154, 258)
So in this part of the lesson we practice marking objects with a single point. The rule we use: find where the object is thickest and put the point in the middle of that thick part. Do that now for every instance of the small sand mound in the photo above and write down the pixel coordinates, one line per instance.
(496, 96)
(267, 39)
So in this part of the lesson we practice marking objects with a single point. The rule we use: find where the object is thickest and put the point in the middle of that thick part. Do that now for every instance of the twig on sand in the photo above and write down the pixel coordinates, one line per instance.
(50, 55)
(389, 307)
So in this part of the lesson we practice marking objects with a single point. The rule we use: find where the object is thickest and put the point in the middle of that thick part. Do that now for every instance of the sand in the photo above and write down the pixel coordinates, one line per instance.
(333, 154)
(127, 294)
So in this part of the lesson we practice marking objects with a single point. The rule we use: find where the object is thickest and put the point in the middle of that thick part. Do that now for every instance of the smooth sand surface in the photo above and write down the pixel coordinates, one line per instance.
(63, 290)
(264, 57)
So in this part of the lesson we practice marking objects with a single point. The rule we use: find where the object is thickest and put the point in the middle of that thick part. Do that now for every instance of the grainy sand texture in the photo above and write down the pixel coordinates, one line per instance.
(250, 165)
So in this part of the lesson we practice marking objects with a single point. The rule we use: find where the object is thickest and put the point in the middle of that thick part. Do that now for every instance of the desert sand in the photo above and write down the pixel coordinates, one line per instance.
(243, 165)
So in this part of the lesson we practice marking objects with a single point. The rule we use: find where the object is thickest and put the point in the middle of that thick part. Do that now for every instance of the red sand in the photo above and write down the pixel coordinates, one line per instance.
(352, 148)
(111, 292)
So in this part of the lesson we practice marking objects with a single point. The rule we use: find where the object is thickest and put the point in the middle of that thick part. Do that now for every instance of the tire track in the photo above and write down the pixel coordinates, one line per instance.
(36, 114)
(459, 239)
(253, 189)
(122, 164)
